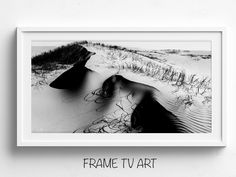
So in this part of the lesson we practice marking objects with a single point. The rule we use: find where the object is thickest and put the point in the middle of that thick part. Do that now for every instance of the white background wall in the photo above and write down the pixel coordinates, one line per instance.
(61, 162)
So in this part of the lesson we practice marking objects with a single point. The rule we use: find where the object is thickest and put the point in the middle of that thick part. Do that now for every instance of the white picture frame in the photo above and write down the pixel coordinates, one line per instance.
(25, 137)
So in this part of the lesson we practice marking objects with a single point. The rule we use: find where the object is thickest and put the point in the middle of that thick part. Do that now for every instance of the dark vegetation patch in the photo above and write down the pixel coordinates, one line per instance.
(73, 56)
(205, 57)
(172, 51)
(59, 57)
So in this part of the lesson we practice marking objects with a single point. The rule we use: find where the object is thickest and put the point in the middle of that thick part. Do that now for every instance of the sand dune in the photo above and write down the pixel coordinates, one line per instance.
(179, 87)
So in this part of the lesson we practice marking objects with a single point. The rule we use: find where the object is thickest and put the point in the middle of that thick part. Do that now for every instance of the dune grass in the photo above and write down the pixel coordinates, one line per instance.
(49, 64)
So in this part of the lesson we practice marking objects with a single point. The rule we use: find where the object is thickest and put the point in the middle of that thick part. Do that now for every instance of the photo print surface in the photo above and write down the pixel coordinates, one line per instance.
(121, 87)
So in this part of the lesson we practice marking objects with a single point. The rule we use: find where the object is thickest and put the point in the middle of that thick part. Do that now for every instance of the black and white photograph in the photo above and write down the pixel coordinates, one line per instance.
(121, 86)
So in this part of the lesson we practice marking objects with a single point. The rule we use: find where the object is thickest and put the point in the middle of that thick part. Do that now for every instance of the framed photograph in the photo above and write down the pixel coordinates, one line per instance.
(120, 87)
